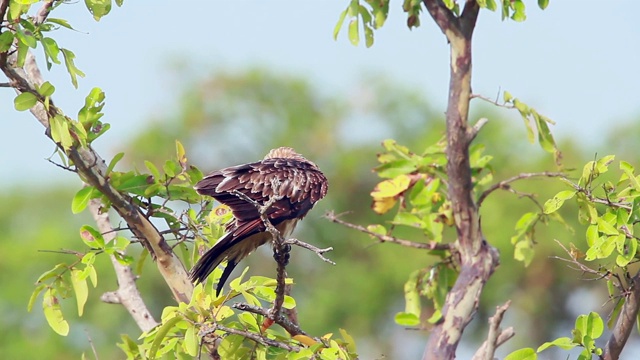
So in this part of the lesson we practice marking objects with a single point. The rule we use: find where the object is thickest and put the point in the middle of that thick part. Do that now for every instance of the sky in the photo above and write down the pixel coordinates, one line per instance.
(575, 62)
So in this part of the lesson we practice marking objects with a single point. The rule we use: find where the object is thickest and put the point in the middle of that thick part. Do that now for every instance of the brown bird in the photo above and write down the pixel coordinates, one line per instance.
(282, 173)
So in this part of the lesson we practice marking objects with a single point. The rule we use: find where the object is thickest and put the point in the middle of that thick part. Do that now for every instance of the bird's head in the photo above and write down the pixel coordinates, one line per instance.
(285, 152)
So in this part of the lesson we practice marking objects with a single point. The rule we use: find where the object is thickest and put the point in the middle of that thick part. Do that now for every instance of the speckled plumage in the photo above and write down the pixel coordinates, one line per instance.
(282, 172)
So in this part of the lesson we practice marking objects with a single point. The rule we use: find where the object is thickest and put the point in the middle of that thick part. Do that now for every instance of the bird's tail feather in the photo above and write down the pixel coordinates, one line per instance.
(211, 259)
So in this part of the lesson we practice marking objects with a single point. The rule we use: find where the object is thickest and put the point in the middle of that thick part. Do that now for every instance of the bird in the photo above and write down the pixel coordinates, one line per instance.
(283, 173)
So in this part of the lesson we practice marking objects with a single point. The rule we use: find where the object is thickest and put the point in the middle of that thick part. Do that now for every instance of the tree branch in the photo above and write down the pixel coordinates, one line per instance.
(316, 250)
(504, 184)
(281, 252)
(42, 14)
(496, 336)
(127, 293)
(291, 327)
(625, 323)
(247, 334)
(93, 170)
(432, 245)
(478, 259)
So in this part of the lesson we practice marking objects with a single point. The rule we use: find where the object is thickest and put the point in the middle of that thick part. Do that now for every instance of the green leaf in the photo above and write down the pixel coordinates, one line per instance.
(161, 333)
(522, 354)
(53, 313)
(412, 295)
(34, 296)
(81, 199)
(544, 134)
(336, 29)
(518, 10)
(407, 319)
(26, 39)
(74, 72)
(564, 343)
(24, 101)
(354, 37)
(57, 270)
(113, 162)
(590, 326)
(51, 50)
(629, 170)
(6, 39)
(60, 131)
(80, 288)
(191, 341)
(91, 237)
(249, 320)
(606, 228)
(543, 4)
(46, 89)
(613, 317)
(523, 251)
(61, 22)
(552, 205)
(98, 8)
(491, 5)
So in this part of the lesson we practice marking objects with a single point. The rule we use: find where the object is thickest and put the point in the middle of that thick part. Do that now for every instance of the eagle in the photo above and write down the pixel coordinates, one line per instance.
(296, 182)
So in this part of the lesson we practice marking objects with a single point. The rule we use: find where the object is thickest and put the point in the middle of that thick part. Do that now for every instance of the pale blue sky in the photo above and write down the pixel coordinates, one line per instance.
(576, 62)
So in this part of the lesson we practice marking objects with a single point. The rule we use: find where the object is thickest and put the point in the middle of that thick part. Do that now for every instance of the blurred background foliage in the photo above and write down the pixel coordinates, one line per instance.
(232, 117)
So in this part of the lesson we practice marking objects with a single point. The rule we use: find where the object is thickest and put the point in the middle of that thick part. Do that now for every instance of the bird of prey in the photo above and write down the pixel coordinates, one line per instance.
(282, 173)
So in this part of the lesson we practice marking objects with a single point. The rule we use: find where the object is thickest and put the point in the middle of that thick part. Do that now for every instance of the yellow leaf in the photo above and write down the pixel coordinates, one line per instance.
(391, 187)
(383, 205)
(53, 313)
(80, 288)
(304, 339)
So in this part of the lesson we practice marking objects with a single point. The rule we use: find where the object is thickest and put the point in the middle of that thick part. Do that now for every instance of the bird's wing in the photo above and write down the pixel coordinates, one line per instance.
(299, 183)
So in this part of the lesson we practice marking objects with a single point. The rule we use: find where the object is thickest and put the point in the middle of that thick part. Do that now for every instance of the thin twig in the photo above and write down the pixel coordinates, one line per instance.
(488, 348)
(316, 250)
(431, 245)
(206, 330)
(93, 348)
(473, 131)
(504, 184)
(280, 251)
(494, 102)
(291, 327)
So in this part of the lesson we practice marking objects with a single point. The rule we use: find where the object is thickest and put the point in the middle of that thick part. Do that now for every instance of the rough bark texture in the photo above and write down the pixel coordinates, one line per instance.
(626, 320)
(478, 259)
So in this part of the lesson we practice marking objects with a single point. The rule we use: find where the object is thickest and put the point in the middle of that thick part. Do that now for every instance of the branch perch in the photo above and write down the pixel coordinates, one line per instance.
(281, 252)
(432, 245)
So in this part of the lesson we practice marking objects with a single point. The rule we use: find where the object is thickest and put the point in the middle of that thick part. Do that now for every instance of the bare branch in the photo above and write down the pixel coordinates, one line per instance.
(291, 327)
(280, 254)
(127, 293)
(206, 330)
(316, 250)
(473, 131)
(42, 14)
(496, 336)
(432, 245)
(504, 184)
(494, 102)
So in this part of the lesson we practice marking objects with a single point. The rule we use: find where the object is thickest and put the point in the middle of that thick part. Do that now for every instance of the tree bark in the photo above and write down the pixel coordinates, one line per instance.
(477, 258)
